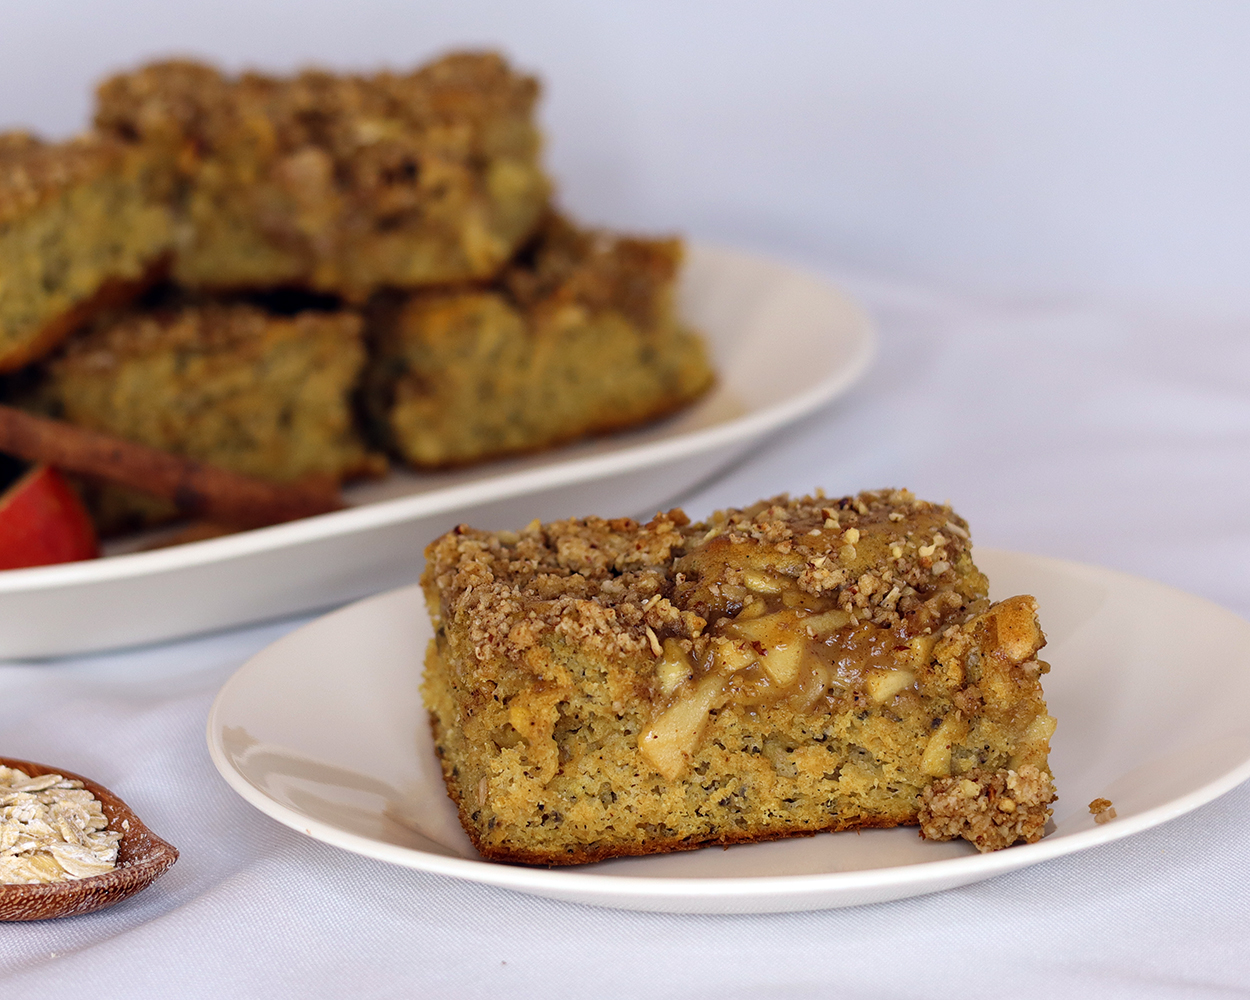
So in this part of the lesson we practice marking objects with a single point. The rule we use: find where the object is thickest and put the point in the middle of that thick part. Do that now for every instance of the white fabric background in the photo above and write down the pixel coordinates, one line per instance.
(1046, 210)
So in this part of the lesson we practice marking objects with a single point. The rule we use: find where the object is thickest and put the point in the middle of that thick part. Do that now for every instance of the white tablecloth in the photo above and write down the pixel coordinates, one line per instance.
(1090, 431)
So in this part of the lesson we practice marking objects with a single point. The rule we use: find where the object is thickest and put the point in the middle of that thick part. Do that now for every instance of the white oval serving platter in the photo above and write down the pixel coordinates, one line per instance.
(784, 343)
(325, 732)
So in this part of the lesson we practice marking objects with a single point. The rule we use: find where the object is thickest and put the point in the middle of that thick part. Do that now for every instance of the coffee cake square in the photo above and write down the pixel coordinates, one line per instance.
(603, 687)
(580, 335)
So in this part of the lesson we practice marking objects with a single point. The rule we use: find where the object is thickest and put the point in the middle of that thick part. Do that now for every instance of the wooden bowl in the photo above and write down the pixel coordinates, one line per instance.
(142, 858)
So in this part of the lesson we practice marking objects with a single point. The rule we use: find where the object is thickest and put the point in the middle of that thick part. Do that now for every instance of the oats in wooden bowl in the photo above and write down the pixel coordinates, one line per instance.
(68, 845)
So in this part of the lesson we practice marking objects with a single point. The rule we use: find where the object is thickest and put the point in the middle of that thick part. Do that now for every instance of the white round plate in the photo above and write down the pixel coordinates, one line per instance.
(325, 731)
(783, 343)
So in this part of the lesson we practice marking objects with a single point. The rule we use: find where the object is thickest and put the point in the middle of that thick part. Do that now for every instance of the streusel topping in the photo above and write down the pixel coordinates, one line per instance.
(617, 585)
(33, 172)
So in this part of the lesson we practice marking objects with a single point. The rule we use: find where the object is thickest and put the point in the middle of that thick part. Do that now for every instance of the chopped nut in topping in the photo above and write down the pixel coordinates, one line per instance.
(978, 807)
(1103, 810)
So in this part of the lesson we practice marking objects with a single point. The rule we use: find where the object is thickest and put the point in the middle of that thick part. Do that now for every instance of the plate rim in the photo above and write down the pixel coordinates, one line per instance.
(862, 346)
(811, 891)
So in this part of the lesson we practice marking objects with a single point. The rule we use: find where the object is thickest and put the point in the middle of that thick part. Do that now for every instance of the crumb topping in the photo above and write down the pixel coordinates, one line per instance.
(881, 556)
(33, 171)
(380, 136)
(619, 586)
(599, 582)
(991, 809)
(192, 329)
(1103, 811)
(567, 268)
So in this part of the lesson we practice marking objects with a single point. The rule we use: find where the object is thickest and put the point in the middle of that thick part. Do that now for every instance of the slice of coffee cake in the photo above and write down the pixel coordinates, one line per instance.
(82, 226)
(339, 183)
(255, 392)
(579, 336)
(602, 688)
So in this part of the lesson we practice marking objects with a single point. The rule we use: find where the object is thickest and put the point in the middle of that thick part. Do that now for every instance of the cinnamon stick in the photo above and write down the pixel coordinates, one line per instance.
(199, 489)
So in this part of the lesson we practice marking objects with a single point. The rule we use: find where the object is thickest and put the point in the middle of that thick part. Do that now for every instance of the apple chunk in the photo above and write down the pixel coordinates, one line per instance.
(673, 738)
(779, 642)
(42, 521)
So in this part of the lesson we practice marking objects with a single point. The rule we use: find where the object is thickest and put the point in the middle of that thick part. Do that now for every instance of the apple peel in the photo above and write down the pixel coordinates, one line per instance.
(42, 521)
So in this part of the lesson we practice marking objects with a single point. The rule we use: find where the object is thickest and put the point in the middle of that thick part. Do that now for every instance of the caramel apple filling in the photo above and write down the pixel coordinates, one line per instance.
(808, 660)
(827, 625)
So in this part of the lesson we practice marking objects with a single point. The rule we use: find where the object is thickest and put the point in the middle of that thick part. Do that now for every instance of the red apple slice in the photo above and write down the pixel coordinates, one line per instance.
(42, 521)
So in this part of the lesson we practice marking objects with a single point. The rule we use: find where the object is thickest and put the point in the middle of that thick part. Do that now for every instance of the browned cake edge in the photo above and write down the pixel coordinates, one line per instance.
(115, 293)
(664, 408)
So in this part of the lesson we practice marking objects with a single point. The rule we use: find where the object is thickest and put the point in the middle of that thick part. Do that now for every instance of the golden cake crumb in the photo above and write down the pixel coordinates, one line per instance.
(228, 383)
(81, 228)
